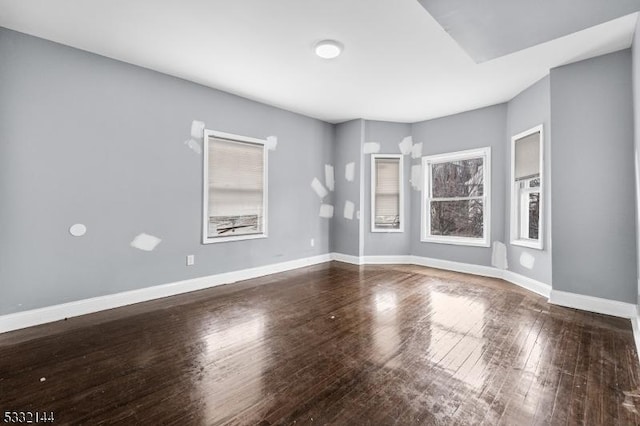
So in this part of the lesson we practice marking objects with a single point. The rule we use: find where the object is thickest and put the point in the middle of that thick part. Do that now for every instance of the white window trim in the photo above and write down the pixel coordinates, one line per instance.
(425, 220)
(373, 192)
(522, 194)
(205, 187)
(515, 240)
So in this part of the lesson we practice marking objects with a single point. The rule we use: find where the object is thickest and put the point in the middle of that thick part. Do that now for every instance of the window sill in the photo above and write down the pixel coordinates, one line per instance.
(208, 240)
(472, 242)
(534, 244)
(386, 231)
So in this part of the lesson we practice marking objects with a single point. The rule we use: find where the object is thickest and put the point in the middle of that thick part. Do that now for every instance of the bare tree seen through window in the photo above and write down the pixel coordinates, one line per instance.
(457, 198)
(534, 208)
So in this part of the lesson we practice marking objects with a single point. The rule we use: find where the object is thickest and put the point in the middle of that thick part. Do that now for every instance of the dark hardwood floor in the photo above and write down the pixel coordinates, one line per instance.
(332, 343)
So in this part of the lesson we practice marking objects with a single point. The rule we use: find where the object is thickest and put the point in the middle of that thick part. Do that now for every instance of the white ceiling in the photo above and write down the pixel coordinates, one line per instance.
(489, 29)
(398, 63)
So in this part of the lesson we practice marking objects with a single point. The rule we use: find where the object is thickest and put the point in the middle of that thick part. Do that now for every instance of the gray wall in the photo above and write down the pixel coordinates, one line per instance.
(474, 129)
(388, 135)
(593, 195)
(635, 52)
(345, 233)
(530, 108)
(91, 140)
(87, 139)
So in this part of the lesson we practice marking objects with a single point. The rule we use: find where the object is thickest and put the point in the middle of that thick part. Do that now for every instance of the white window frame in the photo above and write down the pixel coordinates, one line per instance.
(516, 202)
(400, 159)
(425, 233)
(205, 192)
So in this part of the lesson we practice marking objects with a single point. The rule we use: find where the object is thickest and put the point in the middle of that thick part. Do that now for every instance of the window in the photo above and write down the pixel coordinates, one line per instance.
(526, 188)
(387, 195)
(235, 187)
(456, 199)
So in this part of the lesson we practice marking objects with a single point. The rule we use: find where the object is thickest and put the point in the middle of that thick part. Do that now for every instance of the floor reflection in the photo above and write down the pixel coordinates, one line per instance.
(231, 377)
(458, 342)
(386, 336)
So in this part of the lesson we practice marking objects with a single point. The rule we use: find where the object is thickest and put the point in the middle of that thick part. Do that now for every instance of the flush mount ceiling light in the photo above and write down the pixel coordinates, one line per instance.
(328, 49)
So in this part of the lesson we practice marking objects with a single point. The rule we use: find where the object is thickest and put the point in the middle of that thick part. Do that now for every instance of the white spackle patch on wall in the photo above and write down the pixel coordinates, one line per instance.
(329, 178)
(499, 255)
(349, 209)
(194, 146)
(197, 135)
(350, 171)
(527, 260)
(371, 147)
(272, 143)
(416, 177)
(406, 145)
(416, 150)
(78, 230)
(197, 129)
(326, 211)
(318, 188)
(145, 242)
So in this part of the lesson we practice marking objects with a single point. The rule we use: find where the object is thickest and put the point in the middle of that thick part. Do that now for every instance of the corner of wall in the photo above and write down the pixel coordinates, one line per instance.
(361, 210)
(635, 81)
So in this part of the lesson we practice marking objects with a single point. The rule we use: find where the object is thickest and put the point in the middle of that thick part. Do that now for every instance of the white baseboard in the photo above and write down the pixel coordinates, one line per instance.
(387, 260)
(81, 307)
(467, 268)
(527, 283)
(593, 304)
(571, 300)
(486, 271)
(47, 314)
(347, 258)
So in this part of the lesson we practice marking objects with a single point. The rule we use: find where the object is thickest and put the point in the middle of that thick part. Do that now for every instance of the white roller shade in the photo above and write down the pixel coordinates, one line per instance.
(236, 178)
(527, 156)
(387, 190)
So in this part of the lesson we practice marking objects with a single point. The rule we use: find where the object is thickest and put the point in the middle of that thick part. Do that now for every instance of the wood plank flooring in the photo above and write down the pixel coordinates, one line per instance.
(330, 344)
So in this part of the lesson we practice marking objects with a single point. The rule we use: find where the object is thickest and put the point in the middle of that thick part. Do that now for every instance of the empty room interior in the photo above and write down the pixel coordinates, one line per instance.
(380, 212)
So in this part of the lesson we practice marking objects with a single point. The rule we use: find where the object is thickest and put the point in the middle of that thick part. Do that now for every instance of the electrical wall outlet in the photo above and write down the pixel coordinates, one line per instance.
(313, 242)
(191, 260)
